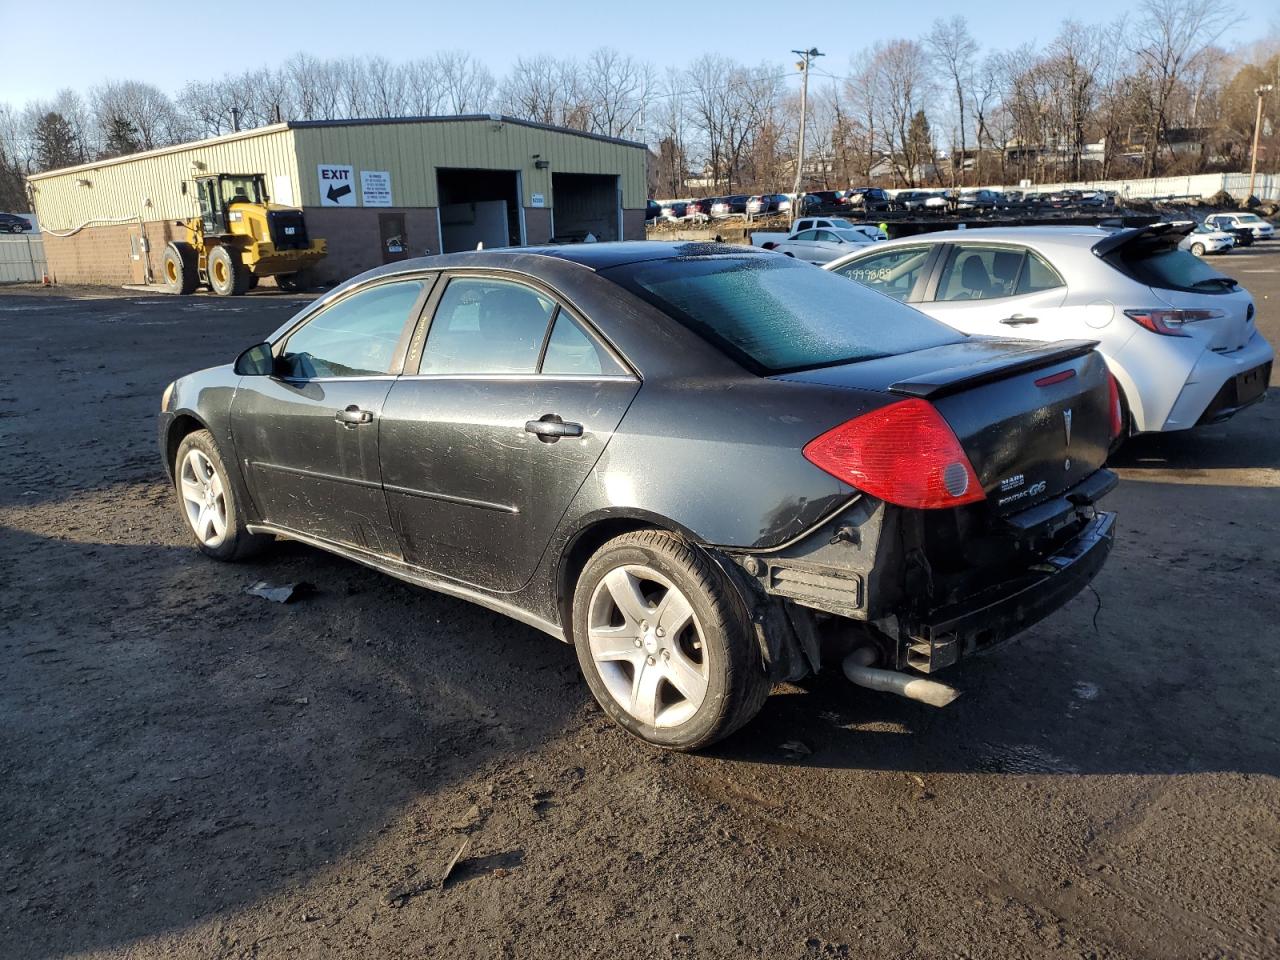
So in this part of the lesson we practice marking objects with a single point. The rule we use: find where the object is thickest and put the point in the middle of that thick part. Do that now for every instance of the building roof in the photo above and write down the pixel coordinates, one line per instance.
(314, 124)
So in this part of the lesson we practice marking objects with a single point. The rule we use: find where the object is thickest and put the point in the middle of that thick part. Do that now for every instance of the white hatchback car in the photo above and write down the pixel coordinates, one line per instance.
(1205, 239)
(1179, 337)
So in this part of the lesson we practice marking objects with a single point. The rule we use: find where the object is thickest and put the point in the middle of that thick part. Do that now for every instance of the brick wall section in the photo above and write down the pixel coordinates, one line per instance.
(101, 254)
(97, 255)
(355, 244)
(632, 224)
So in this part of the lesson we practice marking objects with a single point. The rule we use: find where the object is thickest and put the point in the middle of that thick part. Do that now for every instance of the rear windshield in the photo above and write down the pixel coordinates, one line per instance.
(1168, 268)
(774, 314)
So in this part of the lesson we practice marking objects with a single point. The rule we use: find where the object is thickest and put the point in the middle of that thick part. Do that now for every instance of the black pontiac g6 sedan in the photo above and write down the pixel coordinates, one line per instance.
(708, 467)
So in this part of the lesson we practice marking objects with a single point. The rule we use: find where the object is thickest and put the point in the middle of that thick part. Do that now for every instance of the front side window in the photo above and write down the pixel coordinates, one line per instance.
(980, 273)
(355, 337)
(893, 272)
(485, 326)
(775, 314)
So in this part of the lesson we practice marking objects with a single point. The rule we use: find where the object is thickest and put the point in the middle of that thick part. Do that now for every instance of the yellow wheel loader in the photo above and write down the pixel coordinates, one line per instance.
(239, 238)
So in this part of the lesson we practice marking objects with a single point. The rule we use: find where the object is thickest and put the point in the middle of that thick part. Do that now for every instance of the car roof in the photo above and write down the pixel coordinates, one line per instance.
(594, 256)
(1069, 236)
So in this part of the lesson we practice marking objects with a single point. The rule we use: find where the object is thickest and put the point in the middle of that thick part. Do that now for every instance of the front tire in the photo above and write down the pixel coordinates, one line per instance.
(665, 643)
(207, 502)
(228, 276)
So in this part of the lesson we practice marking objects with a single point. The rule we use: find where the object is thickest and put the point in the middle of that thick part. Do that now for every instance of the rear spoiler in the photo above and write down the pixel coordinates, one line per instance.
(1174, 231)
(939, 383)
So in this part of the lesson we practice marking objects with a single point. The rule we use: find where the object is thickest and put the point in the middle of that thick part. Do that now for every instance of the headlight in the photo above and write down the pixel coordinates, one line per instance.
(167, 396)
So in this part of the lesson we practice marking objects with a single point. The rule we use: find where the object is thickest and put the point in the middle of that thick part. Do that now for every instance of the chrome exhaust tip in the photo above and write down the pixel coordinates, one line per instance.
(892, 681)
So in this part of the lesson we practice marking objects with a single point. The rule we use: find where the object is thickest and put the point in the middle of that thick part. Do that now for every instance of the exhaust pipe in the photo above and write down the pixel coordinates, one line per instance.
(892, 681)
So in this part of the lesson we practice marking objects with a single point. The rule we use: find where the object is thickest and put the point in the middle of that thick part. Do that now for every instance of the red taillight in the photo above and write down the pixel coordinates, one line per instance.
(1167, 322)
(904, 453)
(1117, 413)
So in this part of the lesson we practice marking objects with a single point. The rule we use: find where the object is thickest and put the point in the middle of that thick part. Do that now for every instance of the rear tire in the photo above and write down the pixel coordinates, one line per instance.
(179, 269)
(1198, 249)
(228, 276)
(207, 502)
(665, 642)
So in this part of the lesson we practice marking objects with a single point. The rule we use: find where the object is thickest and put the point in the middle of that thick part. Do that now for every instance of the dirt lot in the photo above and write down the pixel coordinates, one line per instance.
(191, 771)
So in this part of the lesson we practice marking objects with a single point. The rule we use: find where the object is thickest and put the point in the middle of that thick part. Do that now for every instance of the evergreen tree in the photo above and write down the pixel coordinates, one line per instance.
(13, 195)
(121, 137)
(55, 142)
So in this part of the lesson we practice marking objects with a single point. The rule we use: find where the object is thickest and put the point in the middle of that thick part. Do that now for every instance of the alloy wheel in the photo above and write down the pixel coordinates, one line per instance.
(203, 498)
(648, 646)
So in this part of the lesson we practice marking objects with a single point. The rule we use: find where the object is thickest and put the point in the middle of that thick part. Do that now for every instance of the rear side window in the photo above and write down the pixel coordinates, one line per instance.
(1168, 268)
(1037, 275)
(356, 337)
(571, 351)
(774, 315)
(892, 272)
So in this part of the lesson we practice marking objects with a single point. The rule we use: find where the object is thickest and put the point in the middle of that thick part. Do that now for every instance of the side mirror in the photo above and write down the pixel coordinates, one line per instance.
(257, 361)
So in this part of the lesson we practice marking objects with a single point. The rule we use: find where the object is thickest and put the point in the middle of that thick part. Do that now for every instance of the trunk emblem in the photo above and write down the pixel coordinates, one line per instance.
(1066, 422)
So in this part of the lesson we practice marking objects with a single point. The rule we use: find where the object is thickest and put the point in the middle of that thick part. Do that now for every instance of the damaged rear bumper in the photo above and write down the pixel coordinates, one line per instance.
(1001, 612)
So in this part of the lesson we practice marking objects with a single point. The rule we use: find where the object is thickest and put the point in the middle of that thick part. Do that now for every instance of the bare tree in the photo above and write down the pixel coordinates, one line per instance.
(544, 89)
(1169, 36)
(617, 89)
(954, 50)
(900, 69)
(466, 83)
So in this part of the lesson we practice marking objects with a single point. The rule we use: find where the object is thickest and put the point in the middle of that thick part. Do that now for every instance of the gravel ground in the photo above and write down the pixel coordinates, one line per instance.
(192, 771)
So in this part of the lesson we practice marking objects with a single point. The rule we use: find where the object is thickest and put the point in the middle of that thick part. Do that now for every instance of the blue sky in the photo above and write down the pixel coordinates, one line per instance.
(76, 43)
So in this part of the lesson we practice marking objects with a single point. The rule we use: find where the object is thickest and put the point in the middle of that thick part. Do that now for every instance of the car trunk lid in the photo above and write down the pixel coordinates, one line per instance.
(1033, 419)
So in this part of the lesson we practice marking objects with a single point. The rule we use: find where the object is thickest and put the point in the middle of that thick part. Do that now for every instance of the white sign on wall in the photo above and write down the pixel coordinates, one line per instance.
(375, 188)
(337, 185)
(282, 190)
(537, 200)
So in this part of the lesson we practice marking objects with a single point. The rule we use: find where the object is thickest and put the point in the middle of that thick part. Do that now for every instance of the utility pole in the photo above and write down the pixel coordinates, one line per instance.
(806, 58)
(1257, 126)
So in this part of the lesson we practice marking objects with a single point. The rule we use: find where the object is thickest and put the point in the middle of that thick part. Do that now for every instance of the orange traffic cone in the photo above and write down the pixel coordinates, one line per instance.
(45, 281)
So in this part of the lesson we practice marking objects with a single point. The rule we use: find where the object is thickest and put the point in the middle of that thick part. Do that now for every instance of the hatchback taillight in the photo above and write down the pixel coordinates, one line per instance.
(904, 453)
(1168, 322)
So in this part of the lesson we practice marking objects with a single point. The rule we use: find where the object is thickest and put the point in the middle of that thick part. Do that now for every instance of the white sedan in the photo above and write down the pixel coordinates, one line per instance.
(1260, 229)
(1179, 337)
(821, 245)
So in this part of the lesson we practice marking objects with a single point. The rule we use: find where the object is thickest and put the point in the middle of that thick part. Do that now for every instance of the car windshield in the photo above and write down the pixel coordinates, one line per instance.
(774, 314)
(1248, 218)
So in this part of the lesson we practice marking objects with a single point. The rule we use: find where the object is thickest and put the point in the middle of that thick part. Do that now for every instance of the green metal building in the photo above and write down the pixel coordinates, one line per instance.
(376, 190)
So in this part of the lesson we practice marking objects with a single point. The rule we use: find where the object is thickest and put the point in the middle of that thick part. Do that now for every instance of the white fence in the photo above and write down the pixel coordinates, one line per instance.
(22, 259)
(1201, 185)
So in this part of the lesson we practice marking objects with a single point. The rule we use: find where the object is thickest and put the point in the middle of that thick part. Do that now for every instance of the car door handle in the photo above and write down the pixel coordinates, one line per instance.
(353, 416)
(551, 428)
(1018, 319)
